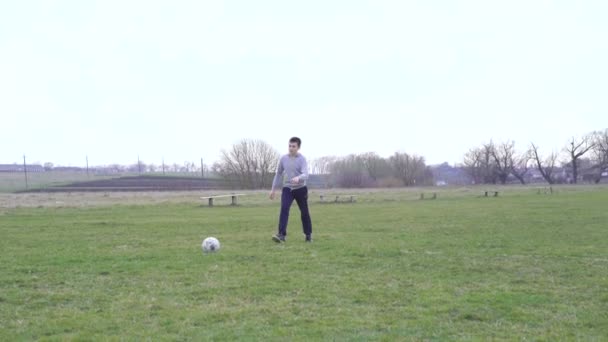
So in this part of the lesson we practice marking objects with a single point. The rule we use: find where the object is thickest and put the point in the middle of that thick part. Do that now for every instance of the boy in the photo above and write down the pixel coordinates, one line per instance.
(292, 174)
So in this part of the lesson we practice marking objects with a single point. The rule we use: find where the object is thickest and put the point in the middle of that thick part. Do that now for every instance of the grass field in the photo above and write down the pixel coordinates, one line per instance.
(520, 266)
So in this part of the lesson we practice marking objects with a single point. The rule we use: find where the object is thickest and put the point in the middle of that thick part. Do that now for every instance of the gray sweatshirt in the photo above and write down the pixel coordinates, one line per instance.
(290, 167)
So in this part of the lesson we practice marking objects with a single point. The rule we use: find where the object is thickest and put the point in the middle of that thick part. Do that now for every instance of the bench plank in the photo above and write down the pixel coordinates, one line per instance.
(233, 196)
(491, 191)
(220, 196)
(350, 198)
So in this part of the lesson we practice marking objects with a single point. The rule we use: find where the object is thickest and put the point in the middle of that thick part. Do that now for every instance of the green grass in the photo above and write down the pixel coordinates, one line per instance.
(521, 266)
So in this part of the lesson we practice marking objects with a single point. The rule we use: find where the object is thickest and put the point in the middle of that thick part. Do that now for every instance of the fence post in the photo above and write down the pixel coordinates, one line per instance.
(25, 172)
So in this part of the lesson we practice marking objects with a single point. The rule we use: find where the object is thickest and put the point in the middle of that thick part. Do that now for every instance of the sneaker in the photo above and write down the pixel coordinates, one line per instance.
(278, 238)
(308, 238)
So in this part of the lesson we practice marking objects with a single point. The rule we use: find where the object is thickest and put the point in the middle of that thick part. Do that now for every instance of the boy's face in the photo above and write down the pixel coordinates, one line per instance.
(293, 148)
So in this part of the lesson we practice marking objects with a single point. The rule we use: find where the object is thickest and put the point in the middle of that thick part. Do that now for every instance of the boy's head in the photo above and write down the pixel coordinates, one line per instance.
(294, 145)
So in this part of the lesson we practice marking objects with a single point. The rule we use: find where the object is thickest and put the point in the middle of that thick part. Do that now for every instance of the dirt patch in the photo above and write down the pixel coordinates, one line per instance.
(141, 183)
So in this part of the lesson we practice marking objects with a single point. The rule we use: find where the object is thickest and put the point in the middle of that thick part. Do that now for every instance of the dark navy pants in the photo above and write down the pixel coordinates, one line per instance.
(301, 197)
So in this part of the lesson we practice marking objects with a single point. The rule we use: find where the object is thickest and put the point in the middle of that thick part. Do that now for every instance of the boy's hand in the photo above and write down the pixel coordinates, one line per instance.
(295, 180)
(272, 195)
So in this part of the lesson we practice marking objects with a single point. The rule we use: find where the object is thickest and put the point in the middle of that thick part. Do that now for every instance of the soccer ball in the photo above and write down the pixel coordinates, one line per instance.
(210, 245)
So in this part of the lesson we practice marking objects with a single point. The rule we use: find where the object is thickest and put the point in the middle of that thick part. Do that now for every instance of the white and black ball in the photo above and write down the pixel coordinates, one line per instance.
(211, 245)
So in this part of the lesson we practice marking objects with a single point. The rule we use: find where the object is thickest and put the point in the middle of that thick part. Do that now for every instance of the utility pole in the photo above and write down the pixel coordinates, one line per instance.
(87, 166)
(25, 172)
(163, 166)
(202, 169)
(138, 165)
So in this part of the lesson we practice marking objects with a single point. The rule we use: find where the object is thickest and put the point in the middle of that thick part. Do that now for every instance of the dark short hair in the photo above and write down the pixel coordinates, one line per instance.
(296, 140)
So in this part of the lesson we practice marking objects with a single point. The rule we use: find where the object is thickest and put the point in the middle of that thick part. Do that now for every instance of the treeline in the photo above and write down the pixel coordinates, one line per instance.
(251, 164)
(372, 170)
(135, 168)
(583, 158)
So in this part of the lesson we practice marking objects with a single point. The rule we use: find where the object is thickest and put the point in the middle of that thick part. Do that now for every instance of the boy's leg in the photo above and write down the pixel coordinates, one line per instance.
(286, 201)
(301, 196)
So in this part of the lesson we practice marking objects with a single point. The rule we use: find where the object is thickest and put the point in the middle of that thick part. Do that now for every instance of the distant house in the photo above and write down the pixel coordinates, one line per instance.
(445, 174)
(20, 168)
(535, 176)
(69, 169)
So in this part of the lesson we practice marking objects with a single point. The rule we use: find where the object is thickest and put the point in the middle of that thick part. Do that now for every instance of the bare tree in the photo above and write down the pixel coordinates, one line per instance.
(376, 166)
(508, 162)
(519, 167)
(322, 166)
(400, 164)
(410, 169)
(217, 168)
(267, 161)
(577, 148)
(472, 165)
(488, 164)
(189, 167)
(545, 167)
(139, 167)
(503, 159)
(116, 168)
(600, 154)
(480, 164)
(350, 172)
(250, 162)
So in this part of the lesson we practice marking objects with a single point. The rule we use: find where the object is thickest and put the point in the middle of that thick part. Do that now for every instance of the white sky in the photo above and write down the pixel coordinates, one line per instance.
(184, 79)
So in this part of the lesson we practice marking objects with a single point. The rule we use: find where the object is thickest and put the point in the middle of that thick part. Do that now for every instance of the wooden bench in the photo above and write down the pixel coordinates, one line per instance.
(488, 192)
(349, 198)
(211, 198)
(545, 190)
(432, 197)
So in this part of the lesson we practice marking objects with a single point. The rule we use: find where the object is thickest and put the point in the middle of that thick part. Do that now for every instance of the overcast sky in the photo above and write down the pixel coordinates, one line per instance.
(184, 79)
